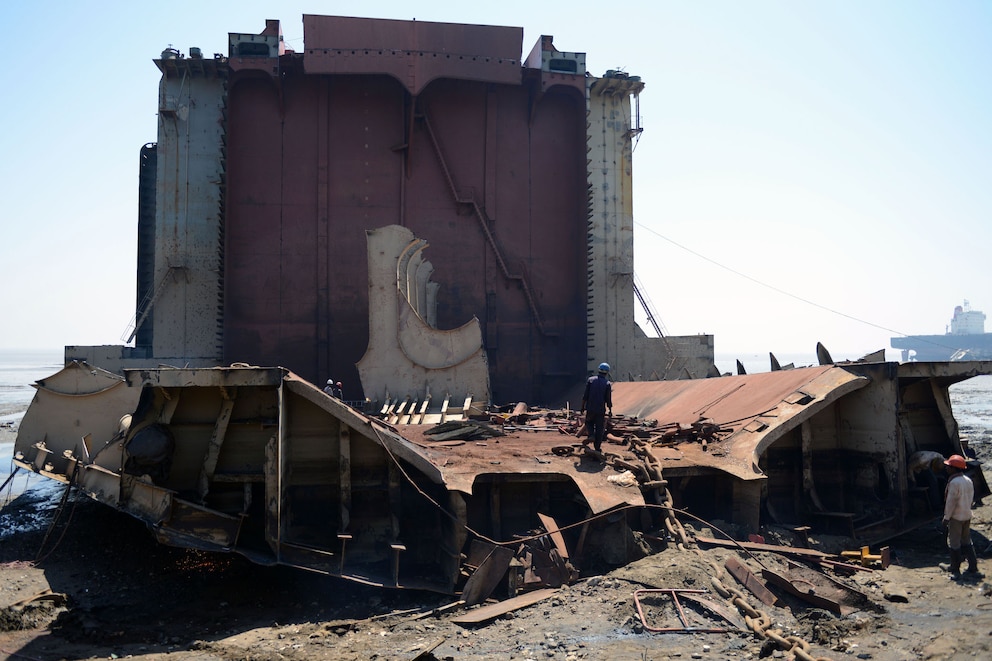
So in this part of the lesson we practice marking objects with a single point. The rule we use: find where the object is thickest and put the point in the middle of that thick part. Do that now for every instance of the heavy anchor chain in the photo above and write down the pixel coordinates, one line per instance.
(654, 485)
(758, 621)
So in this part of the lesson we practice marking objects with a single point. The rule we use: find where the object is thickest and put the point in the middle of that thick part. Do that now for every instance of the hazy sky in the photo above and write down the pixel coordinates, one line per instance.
(807, 171)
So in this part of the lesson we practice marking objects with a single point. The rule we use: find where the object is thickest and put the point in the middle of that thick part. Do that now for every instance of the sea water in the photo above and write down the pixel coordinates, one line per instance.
(971, 402)
(19, 368)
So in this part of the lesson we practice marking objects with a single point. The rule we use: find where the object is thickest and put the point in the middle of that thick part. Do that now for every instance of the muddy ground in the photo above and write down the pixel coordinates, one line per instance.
(119, 594)
(128, 597)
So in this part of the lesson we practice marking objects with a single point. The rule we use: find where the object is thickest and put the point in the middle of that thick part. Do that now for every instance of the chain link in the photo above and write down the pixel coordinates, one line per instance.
(758, 621)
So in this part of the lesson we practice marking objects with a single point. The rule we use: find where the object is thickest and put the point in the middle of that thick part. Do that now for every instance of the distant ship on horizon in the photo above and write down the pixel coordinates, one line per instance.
(964, 339)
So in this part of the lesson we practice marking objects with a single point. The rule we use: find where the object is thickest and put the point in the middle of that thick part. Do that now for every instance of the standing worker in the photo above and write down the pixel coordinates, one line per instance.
(596, 401)
(329, 388)
(926, 468)
(958, 497)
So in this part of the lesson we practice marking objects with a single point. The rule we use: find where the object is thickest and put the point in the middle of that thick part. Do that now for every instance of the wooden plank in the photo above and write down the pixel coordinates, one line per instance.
(752, 546)
(490, 612)
(747, 578)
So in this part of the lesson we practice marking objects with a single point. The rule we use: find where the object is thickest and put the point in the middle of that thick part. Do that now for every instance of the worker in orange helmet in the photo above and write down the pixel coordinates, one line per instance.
(958, 498)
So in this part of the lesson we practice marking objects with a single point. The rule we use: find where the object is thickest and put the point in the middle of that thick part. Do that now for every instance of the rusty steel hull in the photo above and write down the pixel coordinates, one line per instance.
(260, 462)
(338, 144)
(272, 167)
(824, 446)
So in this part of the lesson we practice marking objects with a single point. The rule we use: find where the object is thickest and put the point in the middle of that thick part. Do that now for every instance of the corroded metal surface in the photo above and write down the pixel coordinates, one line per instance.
(380, 156)
(521, 455)
(755, 409)
(414, 52)
(259, 461)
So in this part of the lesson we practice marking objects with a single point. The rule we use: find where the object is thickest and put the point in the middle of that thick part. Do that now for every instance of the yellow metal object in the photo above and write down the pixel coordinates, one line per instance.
(868, 559)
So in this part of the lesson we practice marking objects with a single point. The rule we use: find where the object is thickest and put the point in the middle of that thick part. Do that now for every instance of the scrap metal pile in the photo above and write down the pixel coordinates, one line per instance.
(620, 429)
(532, 564)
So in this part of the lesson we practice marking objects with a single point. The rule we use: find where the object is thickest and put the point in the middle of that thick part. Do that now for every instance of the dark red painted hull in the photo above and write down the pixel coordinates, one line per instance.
(314, 160)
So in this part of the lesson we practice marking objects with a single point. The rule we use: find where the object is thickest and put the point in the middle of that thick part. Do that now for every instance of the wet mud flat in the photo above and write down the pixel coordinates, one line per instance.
(96, 585)
(126, 595)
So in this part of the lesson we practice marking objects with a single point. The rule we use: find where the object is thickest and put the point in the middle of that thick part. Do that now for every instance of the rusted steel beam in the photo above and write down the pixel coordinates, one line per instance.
(344, 479)
(555, 533)
(752, 546)
(747, 578)
(216, 441)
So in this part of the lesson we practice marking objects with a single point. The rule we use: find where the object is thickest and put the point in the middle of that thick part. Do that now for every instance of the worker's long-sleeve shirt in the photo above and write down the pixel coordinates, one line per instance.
(958, 498)
(598, 395)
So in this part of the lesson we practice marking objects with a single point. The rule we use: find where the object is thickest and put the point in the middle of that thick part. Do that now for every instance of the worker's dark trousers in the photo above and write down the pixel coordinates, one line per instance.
(596, 426)
(968, 553)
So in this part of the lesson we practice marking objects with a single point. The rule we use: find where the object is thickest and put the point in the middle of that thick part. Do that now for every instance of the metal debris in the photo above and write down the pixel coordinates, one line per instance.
(463, 430)
(883, 558)
(747, 578)
(486, 613)
(816, 588)
(673, 594)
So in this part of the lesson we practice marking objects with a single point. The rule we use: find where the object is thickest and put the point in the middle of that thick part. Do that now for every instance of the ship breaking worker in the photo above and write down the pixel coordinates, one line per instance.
(597, 400)
(958, 498)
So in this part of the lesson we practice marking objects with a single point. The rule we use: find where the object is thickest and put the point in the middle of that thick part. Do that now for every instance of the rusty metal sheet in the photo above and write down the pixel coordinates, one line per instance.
(757, 409)
(817, 588)
(414, 52)
(747, 578)
(490, 571)
(723, 611)
(205, 377)
(524, 454)
(553, 531)
(376, 431)
(313, 261)
(954, 371)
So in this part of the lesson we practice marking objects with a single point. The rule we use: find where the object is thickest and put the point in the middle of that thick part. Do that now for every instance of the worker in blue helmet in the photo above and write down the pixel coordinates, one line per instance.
(597, 402)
